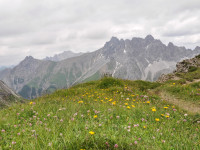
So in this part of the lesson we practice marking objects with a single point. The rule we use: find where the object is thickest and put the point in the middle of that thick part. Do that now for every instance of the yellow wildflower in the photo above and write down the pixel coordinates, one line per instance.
(153, 109)
(95, 116)
(133, 105)
(165, 107)
(128, 107)
(148, 102)
(126, 103)
(91, 132)
(31, 103)
(157, 119)
(80, 102)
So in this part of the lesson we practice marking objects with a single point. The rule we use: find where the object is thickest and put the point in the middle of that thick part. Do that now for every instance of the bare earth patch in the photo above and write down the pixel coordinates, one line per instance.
(188, 106)
(194, 81)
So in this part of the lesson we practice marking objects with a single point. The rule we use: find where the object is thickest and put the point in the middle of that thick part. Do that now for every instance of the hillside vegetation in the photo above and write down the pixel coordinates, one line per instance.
(184, 83)
(104, 114)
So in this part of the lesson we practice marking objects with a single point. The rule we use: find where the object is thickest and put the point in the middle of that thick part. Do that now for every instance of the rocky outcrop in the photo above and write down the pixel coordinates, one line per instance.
(7, 96)
(185, 66)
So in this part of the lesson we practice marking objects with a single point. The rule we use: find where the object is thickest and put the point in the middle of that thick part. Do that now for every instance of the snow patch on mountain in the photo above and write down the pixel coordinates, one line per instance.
(147, 47)
(147, 61)
(116, 68)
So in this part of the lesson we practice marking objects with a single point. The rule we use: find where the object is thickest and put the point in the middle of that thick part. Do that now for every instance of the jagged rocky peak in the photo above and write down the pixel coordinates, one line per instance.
(113, 41)
(170, 44)
(149, 38)
(28, 63)
(29, 58)
(197, 48)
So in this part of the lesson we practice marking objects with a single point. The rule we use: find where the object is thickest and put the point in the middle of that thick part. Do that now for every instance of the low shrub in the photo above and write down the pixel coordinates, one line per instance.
(192, 69)
(144, 85)
(181, 81)
(107, 82)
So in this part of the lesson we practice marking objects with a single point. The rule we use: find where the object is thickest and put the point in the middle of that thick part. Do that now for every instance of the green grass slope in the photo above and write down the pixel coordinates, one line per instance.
(187, 92)
(187, 87)
(184, 83)
(104, 114)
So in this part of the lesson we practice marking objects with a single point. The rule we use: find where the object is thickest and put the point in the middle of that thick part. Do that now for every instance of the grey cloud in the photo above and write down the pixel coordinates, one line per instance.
(45, 27)
(183, 26)
(96, 32)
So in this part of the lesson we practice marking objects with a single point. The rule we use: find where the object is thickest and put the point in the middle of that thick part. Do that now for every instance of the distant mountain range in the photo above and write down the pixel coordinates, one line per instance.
(4, 67)
(63, 55)
(133, 59)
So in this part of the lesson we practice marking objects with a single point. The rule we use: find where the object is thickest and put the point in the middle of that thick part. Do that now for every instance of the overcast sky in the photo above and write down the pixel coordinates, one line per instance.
(46, 27)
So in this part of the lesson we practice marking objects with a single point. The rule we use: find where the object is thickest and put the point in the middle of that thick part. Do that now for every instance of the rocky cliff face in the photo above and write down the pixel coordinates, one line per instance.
(7, 96)
(144, 59)
(133, 59)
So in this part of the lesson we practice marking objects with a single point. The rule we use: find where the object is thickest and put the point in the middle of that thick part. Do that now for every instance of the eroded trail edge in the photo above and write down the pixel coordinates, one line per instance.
(188, 106)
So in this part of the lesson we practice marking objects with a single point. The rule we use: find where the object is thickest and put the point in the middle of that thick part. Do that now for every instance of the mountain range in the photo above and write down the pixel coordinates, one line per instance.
(63, 55)
(133, 59)
(2, 68)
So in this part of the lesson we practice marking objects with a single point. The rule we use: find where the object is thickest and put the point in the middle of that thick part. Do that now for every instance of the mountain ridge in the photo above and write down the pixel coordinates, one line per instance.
(62, 56)
(133, 59)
